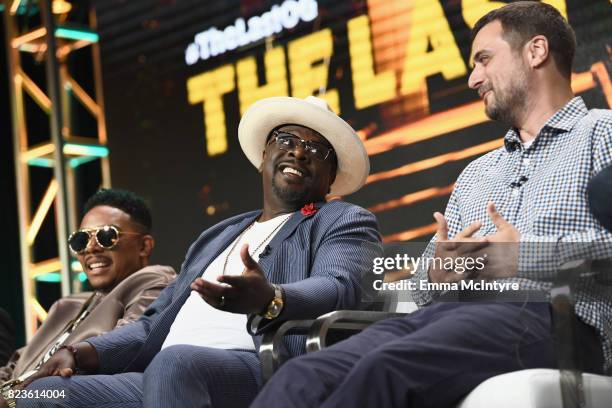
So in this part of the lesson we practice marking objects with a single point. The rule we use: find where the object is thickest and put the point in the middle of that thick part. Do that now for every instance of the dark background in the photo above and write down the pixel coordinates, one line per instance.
(157, 139)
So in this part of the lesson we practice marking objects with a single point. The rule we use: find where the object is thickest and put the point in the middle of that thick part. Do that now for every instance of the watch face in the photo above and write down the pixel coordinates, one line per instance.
(275, 308)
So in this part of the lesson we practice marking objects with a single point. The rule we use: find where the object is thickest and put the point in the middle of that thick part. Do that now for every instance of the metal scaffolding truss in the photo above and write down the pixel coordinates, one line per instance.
(60, 152)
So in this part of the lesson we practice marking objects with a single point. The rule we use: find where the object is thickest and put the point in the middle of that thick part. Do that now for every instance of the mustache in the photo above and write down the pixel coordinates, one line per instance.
(484, 89)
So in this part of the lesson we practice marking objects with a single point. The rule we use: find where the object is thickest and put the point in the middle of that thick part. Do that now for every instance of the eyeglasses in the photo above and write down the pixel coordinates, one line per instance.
(107, 236)
(287, 141)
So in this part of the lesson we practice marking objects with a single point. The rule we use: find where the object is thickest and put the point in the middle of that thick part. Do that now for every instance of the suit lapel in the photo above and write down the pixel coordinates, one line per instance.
(290, 226)
(215, 247)
(160, 329)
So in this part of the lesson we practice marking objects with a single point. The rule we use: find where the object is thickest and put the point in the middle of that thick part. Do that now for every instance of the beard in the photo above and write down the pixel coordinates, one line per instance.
(295, 197)
(509, 104)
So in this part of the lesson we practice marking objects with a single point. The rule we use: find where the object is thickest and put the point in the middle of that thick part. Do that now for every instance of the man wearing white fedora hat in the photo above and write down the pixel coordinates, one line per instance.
(522, 210)
(296, 258)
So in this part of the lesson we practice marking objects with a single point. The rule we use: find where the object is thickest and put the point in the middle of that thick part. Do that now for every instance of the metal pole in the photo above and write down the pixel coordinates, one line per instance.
(59, 166)
(101, 117)
(20, 144)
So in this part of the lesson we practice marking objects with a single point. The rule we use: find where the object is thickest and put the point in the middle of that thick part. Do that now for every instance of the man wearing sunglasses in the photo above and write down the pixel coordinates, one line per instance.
(298, 257)
(113, 246)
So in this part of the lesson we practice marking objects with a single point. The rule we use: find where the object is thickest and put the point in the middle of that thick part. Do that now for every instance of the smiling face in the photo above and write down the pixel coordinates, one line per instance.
(500, 75)
(105, 268)
(294, 177)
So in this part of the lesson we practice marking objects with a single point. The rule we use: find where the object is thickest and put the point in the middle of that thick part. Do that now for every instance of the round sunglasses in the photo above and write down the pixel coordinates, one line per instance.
(107, 236)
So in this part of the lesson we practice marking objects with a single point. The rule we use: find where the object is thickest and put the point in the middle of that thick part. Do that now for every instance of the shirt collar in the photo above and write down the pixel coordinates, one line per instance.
(512, 140)
(563, 121)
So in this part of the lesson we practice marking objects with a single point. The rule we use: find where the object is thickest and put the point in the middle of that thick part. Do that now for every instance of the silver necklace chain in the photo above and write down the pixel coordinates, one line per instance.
(229, 253)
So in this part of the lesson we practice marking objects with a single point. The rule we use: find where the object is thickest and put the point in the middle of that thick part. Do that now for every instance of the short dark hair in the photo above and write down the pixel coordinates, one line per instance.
(523, 20)
(126, 201)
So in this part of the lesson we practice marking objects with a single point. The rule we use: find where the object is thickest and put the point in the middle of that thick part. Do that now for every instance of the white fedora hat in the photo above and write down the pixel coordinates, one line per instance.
(267, 114)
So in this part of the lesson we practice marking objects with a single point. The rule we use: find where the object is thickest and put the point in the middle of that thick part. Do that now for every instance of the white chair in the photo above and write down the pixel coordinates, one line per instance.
(536, 388)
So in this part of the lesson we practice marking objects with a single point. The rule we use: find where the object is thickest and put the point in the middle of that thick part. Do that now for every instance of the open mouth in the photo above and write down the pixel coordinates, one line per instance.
(294, 173)
(98, 265)
(290, 170)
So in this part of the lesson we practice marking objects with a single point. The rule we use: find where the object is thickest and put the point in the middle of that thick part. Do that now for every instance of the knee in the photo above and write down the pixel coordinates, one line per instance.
(309, 366)
(376, 362)
(46, 385)
(293, 366)
(302, 364)
(175, 361)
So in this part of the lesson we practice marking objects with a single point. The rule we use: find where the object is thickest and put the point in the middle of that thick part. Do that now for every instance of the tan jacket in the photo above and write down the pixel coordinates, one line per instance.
(122, 305)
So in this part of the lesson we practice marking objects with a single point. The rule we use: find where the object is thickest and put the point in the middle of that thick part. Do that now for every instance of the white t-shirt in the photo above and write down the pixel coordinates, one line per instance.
(198, 323)
(526, 145)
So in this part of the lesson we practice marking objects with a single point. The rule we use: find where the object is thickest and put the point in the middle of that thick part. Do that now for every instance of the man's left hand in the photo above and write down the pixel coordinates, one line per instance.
(247, 293)
(502, 250)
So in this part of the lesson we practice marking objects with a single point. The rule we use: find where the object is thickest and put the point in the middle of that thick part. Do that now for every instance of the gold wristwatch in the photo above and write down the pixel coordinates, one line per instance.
(276, 305)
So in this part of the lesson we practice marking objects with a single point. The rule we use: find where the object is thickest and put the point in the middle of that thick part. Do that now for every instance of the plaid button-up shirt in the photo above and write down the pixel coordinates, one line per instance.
(542, 191)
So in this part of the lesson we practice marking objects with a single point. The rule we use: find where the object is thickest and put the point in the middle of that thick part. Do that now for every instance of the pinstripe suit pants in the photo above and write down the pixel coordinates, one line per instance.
(178, 376)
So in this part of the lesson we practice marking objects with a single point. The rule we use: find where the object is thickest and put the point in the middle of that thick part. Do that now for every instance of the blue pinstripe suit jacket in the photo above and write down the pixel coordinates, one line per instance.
(318, 260)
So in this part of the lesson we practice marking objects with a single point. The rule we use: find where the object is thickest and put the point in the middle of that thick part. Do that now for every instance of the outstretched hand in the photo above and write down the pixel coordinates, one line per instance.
(247, 293)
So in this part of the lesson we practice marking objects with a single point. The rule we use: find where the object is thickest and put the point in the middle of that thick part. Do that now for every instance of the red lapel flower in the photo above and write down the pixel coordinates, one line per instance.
(309, 209)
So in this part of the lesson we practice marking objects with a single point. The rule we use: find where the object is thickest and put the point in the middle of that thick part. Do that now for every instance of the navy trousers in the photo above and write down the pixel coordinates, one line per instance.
(179, 376)
(431, 358)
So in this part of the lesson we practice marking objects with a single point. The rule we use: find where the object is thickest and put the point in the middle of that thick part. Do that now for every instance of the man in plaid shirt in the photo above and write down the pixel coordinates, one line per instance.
(525, 205)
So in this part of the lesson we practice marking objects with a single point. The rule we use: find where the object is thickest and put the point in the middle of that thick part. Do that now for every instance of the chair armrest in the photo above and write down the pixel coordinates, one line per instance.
(562, 303)
(271, 348)
(352, 320)
(564, 333)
